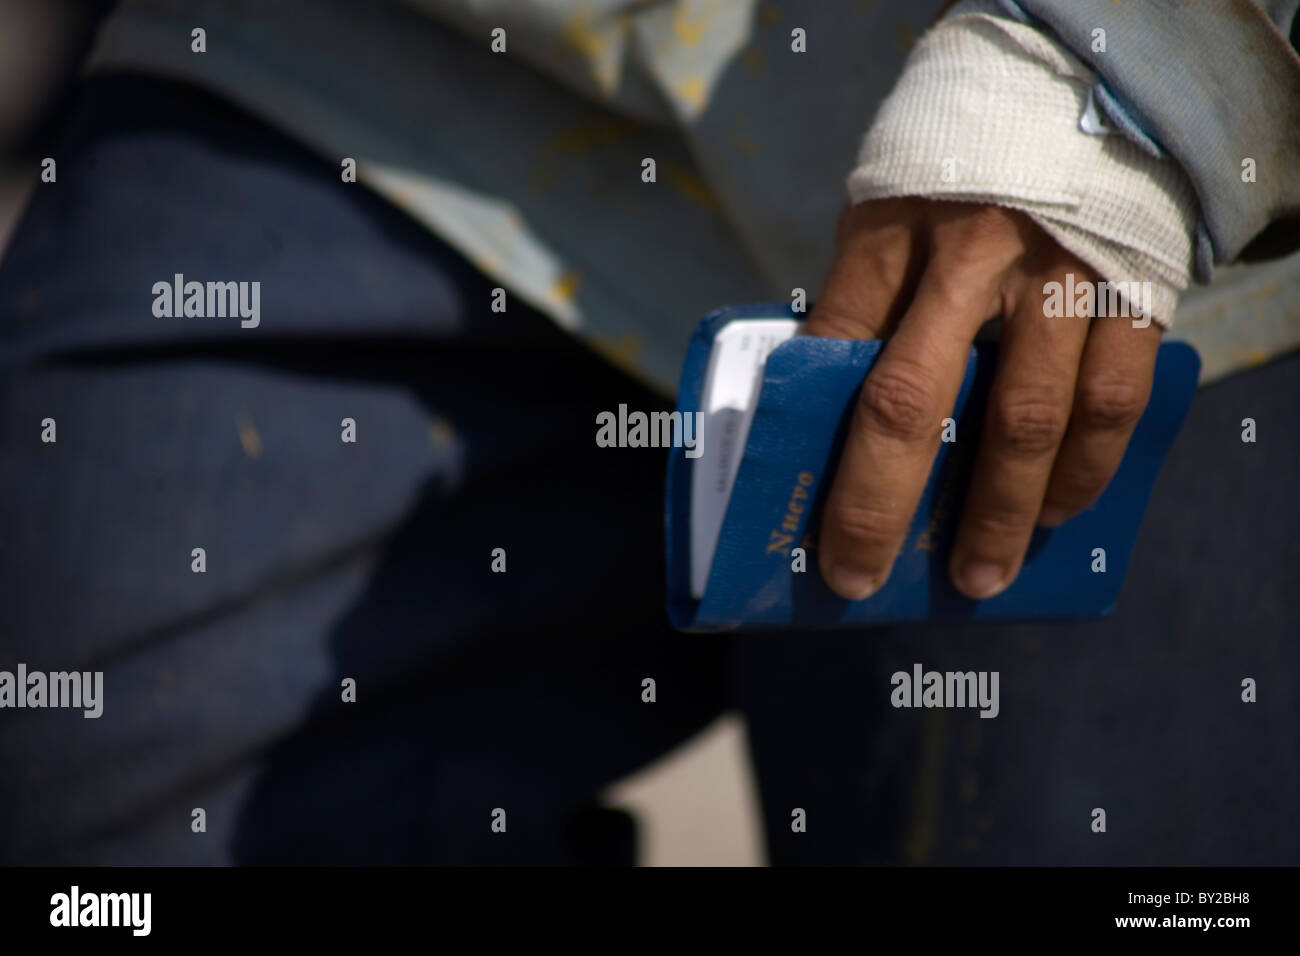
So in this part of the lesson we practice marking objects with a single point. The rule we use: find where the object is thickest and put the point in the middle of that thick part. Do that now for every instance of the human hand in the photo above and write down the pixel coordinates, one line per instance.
(1066, 395)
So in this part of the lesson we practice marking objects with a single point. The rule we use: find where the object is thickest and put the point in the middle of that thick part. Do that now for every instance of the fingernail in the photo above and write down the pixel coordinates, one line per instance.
(851, 584)
(1051, 517)
(982, 579)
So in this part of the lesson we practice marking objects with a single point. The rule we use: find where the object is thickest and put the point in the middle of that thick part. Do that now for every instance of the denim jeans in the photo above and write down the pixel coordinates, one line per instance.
(328, 561)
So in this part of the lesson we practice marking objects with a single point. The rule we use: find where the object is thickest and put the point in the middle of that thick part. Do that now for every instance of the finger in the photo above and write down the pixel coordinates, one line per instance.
(1114, 385)
(896, 428)
(876, 266)
(1027, 415)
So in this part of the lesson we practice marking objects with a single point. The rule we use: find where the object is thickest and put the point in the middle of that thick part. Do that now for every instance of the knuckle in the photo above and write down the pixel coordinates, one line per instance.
(856, 217)
(1028, 424)
(888, 254)
(900, 403)
(997, 524)
(1071, 500)
(1109, 406)
(1075, 488)
(966, 276)
(833, 320)
(969, 235)
(867, 530)
(985, 221)
(953, 284)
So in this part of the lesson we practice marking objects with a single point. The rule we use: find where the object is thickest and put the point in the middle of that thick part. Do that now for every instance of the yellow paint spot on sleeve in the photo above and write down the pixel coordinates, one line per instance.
(565, 287)
(688, 32)
(769, 13)
(488, 264)
(1256, 357)
(600, 40)
(689, 185)
(249, 438)
(623, 352)
(691, 91)
(549, 168)
(579, 36)
(588, 136)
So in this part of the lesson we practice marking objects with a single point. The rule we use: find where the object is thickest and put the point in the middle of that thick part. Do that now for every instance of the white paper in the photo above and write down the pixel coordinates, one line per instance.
(728, 401)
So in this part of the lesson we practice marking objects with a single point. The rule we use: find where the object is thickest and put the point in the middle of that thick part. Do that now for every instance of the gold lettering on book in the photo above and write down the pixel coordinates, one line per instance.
(779, 540)
(926, 540)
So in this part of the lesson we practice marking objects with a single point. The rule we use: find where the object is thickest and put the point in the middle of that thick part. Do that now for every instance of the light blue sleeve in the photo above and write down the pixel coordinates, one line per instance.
(1214, 84)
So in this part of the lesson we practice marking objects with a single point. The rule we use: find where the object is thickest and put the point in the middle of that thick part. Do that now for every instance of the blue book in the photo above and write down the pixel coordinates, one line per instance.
(771, 410)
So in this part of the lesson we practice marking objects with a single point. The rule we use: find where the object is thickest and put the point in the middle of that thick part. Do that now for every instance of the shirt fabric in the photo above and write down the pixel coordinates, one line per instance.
(530, 161)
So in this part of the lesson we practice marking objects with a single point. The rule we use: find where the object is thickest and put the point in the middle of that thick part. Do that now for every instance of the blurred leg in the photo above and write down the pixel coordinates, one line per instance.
(324, 560)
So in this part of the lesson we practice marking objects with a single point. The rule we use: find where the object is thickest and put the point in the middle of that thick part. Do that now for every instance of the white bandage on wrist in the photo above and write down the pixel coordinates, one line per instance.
(988, 110)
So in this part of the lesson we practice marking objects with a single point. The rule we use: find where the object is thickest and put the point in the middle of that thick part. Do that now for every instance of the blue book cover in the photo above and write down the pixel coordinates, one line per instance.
(786, 467)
